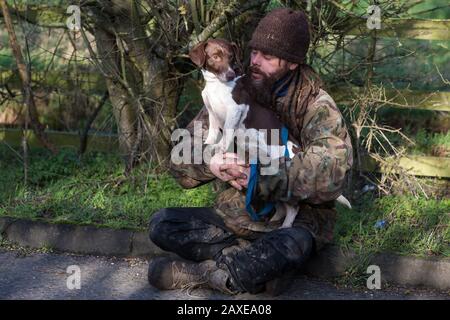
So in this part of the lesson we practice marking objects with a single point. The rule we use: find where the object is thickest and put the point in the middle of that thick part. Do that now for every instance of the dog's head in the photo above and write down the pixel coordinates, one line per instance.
(218, 56)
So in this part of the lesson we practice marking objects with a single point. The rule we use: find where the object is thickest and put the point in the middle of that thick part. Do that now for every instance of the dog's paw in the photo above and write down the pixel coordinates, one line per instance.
(286, 225)
(218, 147)
(211, 139)
(224, 145)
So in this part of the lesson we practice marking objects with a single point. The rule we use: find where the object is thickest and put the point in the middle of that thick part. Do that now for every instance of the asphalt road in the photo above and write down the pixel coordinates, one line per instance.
(44, 276)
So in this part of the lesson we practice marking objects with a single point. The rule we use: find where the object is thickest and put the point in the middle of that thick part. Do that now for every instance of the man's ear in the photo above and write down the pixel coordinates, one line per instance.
(292, 66)
(237, 52)
(198, 54)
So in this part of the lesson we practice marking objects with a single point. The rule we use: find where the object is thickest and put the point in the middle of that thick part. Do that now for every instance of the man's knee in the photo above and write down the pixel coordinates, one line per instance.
(156, 225)
(273, 255)
(304, 238)
(296, 243)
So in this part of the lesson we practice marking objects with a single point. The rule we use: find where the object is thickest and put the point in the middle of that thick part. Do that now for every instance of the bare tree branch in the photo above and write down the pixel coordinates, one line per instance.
(234, 9)
(38, 128)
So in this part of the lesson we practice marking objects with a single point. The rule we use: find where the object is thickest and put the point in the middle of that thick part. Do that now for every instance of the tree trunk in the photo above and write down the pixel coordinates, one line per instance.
(38, 128)
(143, 96)
(141, 78)
(123, 110)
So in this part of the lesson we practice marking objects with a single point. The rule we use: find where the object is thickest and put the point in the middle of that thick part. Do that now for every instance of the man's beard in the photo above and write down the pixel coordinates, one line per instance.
(266, 81)
(262, 87)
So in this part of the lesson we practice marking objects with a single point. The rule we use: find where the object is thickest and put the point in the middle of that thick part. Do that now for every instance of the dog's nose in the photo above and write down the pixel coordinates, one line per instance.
(230, 75)
(237, 70)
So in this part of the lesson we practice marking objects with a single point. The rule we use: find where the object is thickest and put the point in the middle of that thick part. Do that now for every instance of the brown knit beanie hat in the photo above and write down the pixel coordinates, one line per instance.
(283, 33)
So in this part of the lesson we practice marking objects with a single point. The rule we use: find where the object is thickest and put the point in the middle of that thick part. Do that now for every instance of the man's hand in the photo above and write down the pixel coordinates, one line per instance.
(227, 167)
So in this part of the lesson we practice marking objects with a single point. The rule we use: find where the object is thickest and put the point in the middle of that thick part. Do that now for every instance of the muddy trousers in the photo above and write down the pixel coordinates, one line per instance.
(199, 234)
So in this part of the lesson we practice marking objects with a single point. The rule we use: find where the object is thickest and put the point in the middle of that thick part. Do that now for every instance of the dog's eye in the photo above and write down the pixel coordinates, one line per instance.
(215, 57)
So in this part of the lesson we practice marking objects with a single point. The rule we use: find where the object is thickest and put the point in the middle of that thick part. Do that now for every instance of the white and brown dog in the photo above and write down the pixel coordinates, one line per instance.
(232, 104)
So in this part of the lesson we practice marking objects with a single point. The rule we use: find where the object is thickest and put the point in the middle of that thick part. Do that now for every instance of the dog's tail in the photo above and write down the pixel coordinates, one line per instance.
(343, 200)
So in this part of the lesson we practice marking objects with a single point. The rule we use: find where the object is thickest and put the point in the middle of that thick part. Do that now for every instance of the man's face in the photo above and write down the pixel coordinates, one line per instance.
(265, 67)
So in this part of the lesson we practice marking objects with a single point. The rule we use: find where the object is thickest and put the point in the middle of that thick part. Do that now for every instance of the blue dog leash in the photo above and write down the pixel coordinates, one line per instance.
(253, 180)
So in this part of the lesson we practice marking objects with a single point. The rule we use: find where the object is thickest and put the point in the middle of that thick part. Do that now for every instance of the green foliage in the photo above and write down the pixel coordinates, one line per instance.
(94, 191)
(59, 166)
(91, 191)
(190, 102)
(414, 226)
(427, 143)
(430, 9)
(6, 59)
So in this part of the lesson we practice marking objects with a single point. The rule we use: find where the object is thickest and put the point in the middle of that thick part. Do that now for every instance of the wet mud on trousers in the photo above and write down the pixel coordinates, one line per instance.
(199, 234)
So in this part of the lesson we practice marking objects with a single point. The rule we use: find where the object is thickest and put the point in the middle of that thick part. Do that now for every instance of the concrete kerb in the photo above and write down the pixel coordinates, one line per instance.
(78, 239)
(331, 262)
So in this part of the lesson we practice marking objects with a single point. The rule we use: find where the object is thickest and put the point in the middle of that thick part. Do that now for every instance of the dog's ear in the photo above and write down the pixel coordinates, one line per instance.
(198, 54)
(237, 52)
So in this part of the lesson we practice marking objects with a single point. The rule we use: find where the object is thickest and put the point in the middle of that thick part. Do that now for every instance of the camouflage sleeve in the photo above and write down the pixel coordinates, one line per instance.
(315, 174)
(193, 174)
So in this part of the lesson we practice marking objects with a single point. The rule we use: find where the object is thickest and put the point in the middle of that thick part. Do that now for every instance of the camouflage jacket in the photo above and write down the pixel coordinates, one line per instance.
(312, 179)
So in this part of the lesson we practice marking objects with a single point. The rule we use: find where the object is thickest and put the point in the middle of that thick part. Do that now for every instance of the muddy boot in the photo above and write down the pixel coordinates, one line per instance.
(169, 273)
(242, 244)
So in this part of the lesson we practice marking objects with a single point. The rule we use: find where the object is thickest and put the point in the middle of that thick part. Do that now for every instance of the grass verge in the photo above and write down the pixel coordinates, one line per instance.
(63, 189)
(399, 224)
(94, 191)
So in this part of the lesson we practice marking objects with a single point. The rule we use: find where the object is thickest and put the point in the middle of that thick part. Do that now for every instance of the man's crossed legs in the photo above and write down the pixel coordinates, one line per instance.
(200, 235)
